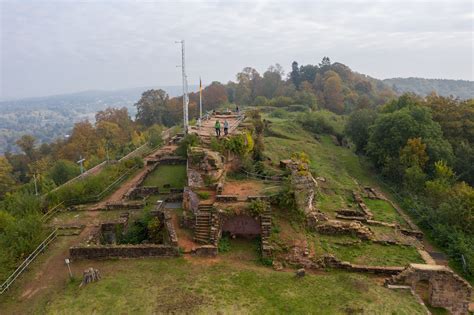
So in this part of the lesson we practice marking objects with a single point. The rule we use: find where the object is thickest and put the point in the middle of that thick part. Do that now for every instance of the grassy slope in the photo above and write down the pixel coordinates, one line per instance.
(342, 170)
(176, 285)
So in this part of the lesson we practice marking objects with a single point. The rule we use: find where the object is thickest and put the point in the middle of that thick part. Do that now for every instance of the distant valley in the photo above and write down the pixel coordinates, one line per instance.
(50, 117)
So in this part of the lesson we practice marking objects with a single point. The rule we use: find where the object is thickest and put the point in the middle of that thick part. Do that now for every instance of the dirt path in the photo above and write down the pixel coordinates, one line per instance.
(50, 271)
(185, 239)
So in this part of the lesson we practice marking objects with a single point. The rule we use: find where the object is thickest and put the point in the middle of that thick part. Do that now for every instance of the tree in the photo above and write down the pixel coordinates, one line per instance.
(295, 75)
(151, 108)
(271, 82)
(62, 171)
(391, 132)
(325, 63)
(7, 180)
(27, 145)
(82, 142)
(154, 136)
(333, 97)
(357, 127)
(414, 153)
(214, 95)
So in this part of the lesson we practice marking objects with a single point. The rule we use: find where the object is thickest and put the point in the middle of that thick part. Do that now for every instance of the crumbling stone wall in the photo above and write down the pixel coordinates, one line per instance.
(446, 289)
(122, 251)
(204, 167)
(335, 227)
(205, 251)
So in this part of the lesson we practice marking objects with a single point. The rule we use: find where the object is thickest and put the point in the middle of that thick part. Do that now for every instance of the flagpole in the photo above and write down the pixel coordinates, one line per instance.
(200, 98)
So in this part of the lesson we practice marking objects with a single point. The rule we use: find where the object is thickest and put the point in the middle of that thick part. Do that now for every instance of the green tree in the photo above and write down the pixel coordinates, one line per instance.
(7, 180)
(333, 97)
(391, 132)
(357, 127)
(63, 170)
(27, 145)
(151, 107)
(154, 136)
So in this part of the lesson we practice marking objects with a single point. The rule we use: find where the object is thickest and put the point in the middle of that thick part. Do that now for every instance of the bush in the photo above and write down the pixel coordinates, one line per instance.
(281, 101)
(320, 122)
(279, 113)
(203, 195)
(190, 140)
(260, 101)
(62, 171)
(297, 108)
(224, 245)
(258, 207)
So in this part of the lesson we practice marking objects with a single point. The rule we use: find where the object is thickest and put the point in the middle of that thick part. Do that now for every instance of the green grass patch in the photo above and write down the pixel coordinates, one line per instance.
(350, 249)
(173, 175)
(340, 166)
(176, 286)
(384, 211)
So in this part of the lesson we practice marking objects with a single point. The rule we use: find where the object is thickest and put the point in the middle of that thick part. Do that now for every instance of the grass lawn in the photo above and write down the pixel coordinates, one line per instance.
(147, 286)
(383, 211)
(347, 248)
(337, 164)
(174, 175)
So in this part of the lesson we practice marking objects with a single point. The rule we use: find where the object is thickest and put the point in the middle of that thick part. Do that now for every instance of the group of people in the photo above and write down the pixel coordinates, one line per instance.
(217, 126)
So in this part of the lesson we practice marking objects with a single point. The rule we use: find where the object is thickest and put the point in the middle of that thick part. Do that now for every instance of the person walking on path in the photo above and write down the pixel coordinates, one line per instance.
(218, 128)
(226, 127)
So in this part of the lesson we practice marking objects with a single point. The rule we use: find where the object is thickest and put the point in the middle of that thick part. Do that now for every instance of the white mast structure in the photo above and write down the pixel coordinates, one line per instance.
(200, 98)
(185, 89)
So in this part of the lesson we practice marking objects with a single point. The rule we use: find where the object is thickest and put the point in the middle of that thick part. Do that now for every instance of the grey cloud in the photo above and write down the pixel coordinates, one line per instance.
(63, 46)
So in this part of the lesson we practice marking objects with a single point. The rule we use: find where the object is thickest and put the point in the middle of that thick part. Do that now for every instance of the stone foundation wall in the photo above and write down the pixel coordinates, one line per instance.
(334, 227)
(332, 262)
(205, 251)
(227, 198)
(143, 191)
(122, 251)
(446, 289)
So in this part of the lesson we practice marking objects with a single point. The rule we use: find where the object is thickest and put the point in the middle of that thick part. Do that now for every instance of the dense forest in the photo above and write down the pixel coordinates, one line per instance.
(422, 146)
(456, 88)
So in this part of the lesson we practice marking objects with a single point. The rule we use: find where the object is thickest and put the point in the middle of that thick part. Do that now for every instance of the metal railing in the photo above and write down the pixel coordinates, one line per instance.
(52, 211)
(100, 195)
(274, 178)
(4, 287)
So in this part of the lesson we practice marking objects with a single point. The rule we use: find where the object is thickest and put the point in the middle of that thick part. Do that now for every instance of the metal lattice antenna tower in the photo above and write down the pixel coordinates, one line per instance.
(185, 88)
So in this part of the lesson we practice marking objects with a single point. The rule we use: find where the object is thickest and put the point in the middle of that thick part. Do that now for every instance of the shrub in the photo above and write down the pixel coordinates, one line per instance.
(279, 113)
(204, 195)
(297, 108)
(281, 101)
(319, 123)
(258, 207)
(224, 244)
(190, 140)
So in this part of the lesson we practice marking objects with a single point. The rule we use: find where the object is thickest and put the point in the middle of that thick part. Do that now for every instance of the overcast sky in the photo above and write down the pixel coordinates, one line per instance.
(53, 47)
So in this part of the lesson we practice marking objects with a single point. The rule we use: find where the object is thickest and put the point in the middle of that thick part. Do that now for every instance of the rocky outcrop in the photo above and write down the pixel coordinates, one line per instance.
(205, 167)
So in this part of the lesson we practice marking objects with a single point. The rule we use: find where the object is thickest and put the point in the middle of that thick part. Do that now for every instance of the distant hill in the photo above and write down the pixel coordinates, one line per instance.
(457, 88)
(51, 117)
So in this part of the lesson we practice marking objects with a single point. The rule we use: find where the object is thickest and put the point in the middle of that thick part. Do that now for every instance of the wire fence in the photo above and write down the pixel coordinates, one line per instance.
(273, 178)
(24, 265)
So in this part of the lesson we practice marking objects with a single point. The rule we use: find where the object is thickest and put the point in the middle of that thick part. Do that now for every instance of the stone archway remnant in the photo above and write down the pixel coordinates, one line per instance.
(446, 289)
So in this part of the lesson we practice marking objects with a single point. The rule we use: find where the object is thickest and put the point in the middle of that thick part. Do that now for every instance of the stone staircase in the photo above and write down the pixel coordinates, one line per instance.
(202, 228)
(266, 230)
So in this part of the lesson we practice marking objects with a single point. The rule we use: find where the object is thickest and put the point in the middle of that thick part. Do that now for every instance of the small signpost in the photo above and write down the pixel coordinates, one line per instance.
(67, 261)
(81, 163)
